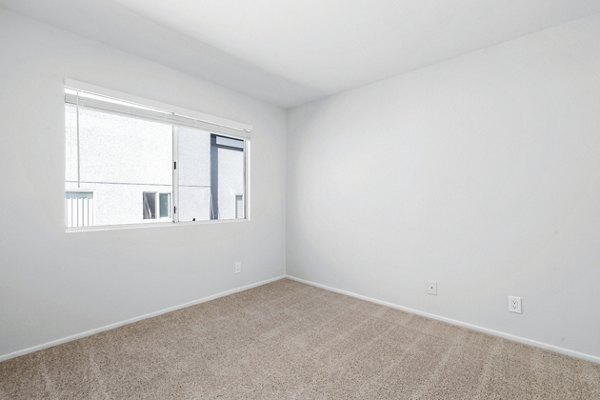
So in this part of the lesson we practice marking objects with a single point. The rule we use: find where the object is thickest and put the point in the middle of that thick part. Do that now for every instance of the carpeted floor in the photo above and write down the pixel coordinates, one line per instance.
(286, 340)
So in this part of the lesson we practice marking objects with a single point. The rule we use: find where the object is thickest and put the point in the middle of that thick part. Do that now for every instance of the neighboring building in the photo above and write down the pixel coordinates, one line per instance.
(122, 171)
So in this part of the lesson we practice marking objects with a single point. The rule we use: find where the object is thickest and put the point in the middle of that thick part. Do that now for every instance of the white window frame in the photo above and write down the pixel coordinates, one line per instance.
(142, 108)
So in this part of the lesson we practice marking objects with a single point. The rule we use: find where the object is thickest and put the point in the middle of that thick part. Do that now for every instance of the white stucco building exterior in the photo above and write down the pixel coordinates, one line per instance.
(119, 170)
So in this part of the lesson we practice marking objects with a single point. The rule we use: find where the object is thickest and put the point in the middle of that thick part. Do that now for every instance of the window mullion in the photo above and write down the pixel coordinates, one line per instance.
(175, 168)
(78, 145)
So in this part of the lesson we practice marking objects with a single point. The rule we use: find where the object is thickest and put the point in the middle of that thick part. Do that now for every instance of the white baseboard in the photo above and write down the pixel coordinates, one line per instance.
(134, 319)
(493, 332)
(508, 336)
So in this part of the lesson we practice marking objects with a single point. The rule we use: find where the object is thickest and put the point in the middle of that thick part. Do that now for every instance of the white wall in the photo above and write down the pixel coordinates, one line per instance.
(482, 173)
(54, 284)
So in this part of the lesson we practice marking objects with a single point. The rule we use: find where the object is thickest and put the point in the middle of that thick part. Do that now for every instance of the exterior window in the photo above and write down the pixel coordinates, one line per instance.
(120, 154)
(165, 205)
(149, 205)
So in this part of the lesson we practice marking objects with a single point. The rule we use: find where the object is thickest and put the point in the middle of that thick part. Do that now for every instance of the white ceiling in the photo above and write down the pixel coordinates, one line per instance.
(291, 51)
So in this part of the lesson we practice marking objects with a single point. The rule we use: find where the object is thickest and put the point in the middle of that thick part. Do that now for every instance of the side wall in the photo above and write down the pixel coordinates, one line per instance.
(54, 284)
(481, 173)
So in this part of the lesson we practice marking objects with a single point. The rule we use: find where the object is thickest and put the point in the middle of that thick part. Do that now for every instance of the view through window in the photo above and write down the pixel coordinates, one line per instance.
(127, 164)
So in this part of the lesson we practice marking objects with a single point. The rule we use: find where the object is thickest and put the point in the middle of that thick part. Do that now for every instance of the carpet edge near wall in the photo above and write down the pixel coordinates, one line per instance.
(474, 327)
(129, 321)
(477, 328)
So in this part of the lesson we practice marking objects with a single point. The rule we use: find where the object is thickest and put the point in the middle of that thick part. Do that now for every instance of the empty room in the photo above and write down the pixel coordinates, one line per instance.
(300, 199)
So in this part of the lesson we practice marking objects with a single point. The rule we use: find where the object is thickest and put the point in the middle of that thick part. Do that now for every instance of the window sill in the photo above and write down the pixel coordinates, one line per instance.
(153, 225)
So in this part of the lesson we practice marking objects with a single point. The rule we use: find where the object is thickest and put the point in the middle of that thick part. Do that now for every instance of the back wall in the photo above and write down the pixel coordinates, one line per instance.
(481, 173)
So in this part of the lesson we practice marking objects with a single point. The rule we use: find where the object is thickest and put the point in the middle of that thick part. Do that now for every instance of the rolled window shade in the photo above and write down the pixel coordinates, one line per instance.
(94, 100)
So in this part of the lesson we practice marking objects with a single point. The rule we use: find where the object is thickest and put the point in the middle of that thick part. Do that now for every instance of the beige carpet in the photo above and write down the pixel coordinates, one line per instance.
(286, 340)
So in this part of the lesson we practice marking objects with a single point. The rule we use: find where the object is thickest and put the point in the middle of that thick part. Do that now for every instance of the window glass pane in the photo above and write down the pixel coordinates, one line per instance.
(229, 172)
(193, 165)
(149, 205)
(165, 205)
(119, 168)
(120, 158)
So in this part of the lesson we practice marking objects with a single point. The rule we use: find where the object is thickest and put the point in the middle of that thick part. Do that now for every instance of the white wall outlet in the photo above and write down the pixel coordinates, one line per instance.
(514, 304)
(432, 288)
(237, 267)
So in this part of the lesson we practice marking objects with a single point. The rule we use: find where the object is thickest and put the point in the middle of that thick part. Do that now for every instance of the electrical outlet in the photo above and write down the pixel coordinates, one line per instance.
(237, 267)
(432, 288)
(514, 304)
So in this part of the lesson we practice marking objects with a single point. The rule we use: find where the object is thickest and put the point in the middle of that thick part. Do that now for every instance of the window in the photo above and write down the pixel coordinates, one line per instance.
(151, 207)
(132, 164)
(165, 205)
